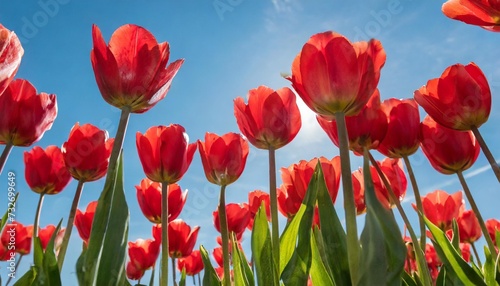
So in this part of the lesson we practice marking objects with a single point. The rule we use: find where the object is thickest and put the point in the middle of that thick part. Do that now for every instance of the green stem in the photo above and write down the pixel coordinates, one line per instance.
(274, 211)
(69, 225)
(15, 269)
(419, 251)
(487, 152)
(5, 155)
(476, 254)
(199, 279)
(37, 216)
(173, 272)
(224, 235)
(353, 247)
(418, 200)
(164, 235)
(475, 209)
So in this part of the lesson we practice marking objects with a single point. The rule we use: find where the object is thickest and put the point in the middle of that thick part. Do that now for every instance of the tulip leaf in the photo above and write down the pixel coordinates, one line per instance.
(383, 250)
(182, 282)
(262, 249)
(50, 267)
(333, 236)
(103, 263)
(408, 280)
(489, 267)
(296, 271)
(452, 260)
(243, 275)
(319, 271)
(210, 278)
(28, 277)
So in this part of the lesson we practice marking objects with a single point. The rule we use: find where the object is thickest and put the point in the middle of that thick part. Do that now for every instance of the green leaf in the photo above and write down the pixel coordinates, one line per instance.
(262, 249)
(490, 269)
(452, 259)
(296, 271)
(334, 237)
(50, 267)
(103, 263)
(182, 282)
(243, 275)
(319, 273)
(455, 240)
(383, 249)
(408, 280)
(210, 278)
(28, 278)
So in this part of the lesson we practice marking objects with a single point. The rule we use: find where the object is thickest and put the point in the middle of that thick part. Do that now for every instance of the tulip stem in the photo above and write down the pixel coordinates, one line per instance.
(15, 269)
(349, 206)
(475, 209)
(418, 200)
(424, 272)
(224, 236)
(117, 144)
(487, 152)
(5, 155)
(37, 219)
(274, 212)
(164, 235)
(476, 254)
(173, 272)
(69, 225)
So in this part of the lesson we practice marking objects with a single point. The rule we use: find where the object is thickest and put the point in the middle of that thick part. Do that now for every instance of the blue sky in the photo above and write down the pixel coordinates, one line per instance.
(227, 52)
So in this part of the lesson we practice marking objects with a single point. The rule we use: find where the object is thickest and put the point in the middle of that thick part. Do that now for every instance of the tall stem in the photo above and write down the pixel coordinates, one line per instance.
(475, 209)
(173, 272)
(274, 211)
(164, 235)
(418, 199)
(69, 225)
(476, 254)
(419, 251)
(37, 216)
(349, 206)
(118, 143)
(5, 155)
(199, 279)
(225, 235)
(487, 152)
(15, 270)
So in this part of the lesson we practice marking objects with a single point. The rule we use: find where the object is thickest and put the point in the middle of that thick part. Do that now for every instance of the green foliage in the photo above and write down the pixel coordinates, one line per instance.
(265, 267)
(210, 277)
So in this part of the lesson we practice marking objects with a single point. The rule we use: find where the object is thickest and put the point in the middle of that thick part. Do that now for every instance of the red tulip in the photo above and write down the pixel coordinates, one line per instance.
(87, 151)
(149, 198)
(18, 236)
(366, 129)
(217, 253)
(403, 118)
(223, 157)
(238, 216)
(7, 254)
(83, 221)
(271, 119)
(181, 237)
(395, 175)
(493, 226)
(433, 261)
(449, 151)
(130, 71)
(192, 263)
(460, 99)
(484, 13)
(468, 227)
(11, 53)
(24, 114)
(333, 75)
(45, 170)
(441, 208)
(133, 273)
(143, 253)
(45, 234)
(358, 187)
(165, 153)
(288, 201)
(255, 200)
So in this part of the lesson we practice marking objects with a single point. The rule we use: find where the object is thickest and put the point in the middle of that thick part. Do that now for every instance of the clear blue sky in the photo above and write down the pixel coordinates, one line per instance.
(228, 52)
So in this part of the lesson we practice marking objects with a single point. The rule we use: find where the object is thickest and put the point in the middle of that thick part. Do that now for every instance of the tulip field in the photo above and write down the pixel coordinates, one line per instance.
(364, 216)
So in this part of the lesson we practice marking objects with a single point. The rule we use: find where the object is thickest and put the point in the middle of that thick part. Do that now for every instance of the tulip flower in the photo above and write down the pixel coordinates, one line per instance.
(6, 253)
(441, 208)
(133, 273)
(238, 216)
(449, 151)
(24, 114)
(149, 198)
(143, 253)
(181, 237)
(401, 138)
(333, 75)
(365, 130)
(460, 99)
(217, 254)
(468, 227)
(22, 237)
(483, 13)
(358, 184)
(271, 119)
(83, 221)
(493, 226)
(392, 169)
(87, 151)
(192, 263)
(165, 153)
(131, 71)
(255, 200)
(11, 53)
(45, 170)
(45, 234)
